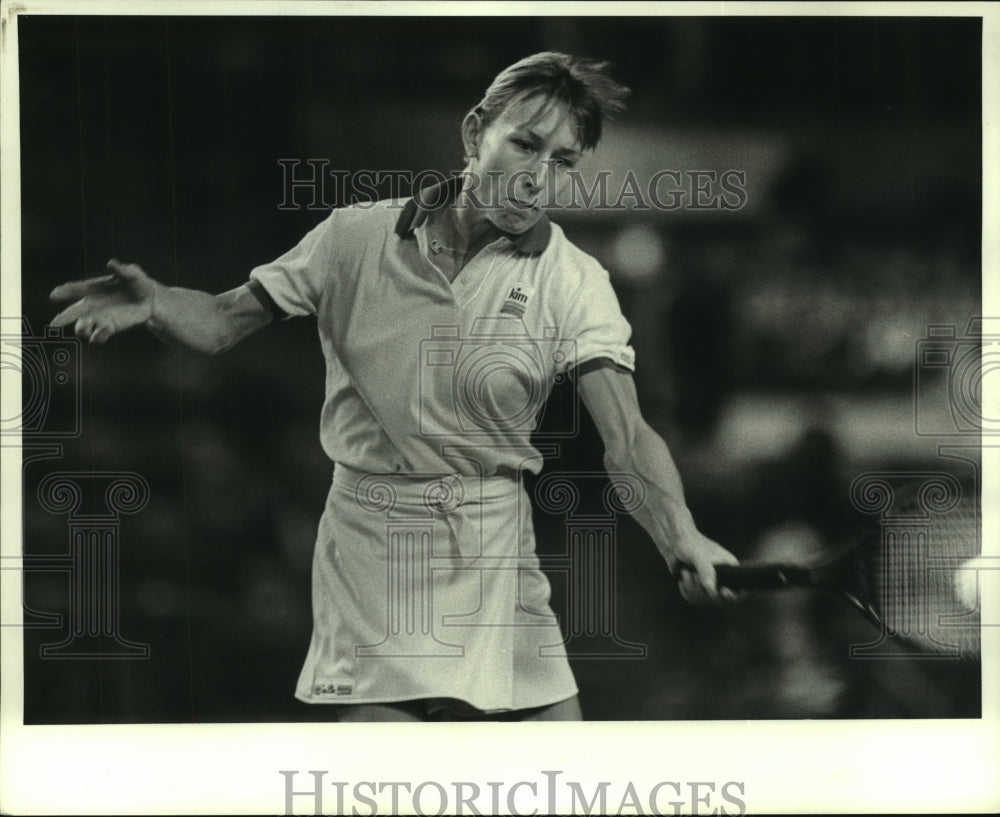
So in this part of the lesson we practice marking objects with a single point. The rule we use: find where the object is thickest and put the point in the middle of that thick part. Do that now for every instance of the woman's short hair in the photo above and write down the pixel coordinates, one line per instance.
(582, 84)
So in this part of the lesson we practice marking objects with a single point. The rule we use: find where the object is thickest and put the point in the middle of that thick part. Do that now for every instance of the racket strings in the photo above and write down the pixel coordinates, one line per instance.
(910, 573)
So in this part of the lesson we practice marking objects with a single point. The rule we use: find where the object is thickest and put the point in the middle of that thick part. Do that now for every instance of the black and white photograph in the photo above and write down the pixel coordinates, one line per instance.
(627, 373)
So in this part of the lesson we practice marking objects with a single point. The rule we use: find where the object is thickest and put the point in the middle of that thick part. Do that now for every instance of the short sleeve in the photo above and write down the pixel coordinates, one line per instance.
(295, 281)
(594, 322)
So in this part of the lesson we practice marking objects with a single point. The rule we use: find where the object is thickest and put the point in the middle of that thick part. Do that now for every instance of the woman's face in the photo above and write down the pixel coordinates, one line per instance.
(520, 161)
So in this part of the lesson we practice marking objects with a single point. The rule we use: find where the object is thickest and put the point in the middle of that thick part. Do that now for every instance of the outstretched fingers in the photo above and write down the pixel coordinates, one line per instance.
(102, 307)
(125, 271)
(95, 327)
(120, 274)
(72, 313)
(74, 290)
(101, 334)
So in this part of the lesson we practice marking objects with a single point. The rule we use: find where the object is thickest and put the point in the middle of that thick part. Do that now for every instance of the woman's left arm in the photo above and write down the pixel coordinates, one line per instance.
(631, 446)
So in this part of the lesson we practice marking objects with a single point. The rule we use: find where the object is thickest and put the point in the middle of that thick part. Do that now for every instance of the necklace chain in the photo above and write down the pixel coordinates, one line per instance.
(436, 245)
(437, 248)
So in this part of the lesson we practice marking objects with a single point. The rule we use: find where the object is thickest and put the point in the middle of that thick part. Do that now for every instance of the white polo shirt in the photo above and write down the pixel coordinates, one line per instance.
(413, 599)
(427, 375)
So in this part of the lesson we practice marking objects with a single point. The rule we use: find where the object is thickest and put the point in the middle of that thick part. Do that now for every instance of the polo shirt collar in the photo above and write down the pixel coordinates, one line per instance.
(426, 199)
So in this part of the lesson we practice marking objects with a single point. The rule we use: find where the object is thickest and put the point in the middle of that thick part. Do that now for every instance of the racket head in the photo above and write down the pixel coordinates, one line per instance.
(915, 577)
(912, 577)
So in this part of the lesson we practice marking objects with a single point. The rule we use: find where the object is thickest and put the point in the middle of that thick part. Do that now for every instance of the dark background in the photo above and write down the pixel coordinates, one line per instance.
(775, 343)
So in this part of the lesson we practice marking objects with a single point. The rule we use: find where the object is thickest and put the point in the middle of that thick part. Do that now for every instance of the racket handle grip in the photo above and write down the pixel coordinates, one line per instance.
(762, 576)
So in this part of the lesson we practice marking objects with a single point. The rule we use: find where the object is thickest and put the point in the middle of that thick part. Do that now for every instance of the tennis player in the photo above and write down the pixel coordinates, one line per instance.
(444, 320)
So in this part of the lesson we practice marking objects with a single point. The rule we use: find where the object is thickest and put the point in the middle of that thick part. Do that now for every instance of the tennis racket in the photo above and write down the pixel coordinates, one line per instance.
(915, 582)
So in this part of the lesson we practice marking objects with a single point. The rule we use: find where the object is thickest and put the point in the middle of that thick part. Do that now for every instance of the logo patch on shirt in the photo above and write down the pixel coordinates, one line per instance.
(517, 301)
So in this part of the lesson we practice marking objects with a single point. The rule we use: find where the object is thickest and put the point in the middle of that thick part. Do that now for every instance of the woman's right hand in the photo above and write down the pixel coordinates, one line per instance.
(107, 305)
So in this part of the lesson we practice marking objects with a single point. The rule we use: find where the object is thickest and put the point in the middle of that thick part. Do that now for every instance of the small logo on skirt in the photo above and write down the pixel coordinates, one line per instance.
(338, 690)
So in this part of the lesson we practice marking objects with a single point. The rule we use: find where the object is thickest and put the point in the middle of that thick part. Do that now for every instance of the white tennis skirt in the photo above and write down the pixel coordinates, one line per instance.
(429, 587)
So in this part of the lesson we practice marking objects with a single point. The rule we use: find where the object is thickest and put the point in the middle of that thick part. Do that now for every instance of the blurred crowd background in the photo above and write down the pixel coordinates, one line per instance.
(775, 343)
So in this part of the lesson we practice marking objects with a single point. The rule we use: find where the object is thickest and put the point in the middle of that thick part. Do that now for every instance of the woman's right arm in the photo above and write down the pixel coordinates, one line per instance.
(128, 297)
